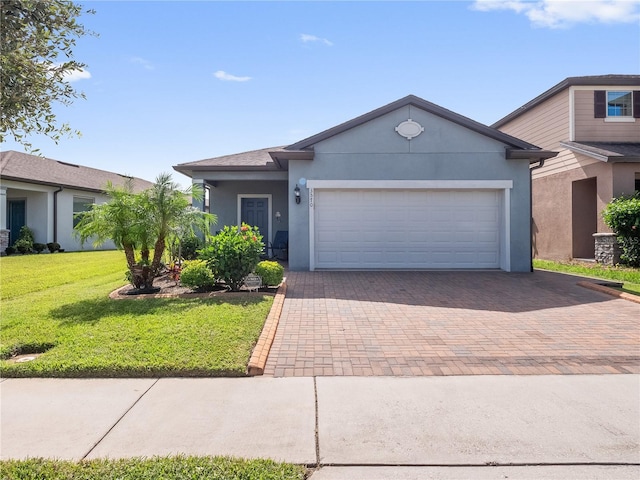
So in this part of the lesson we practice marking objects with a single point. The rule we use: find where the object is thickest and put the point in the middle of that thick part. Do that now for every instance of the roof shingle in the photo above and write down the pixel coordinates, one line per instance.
(46, 171)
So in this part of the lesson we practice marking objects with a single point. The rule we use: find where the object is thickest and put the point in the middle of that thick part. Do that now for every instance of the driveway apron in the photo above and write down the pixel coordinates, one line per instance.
(410, 323)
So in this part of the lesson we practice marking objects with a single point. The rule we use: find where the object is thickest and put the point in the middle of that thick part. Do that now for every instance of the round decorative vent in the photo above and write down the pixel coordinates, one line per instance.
(409, 129)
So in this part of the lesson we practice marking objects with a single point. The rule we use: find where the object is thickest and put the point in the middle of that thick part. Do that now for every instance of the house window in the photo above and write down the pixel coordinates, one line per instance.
(637, 182)
(81, 205)
(616, 105)
(619, 104)
(207, 199)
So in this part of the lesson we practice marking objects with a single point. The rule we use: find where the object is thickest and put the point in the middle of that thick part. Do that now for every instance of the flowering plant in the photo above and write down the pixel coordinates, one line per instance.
(234, 253)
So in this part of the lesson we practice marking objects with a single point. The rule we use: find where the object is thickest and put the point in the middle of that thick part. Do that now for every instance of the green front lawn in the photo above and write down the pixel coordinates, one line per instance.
(166, 468)
(629, 276)
(58, 304)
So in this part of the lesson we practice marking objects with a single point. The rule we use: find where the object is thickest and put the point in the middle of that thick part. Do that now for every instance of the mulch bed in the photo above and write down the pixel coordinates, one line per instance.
(170, 288)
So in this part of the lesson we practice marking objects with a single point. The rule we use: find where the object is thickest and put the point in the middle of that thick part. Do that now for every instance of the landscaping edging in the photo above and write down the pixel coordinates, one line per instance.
(610, 291)
(260, 353)
(116, 295)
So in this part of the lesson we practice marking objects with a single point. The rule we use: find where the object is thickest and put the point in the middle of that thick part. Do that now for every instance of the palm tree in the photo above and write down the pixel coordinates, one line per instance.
(170, 212)
(143, 221)
(114, 220)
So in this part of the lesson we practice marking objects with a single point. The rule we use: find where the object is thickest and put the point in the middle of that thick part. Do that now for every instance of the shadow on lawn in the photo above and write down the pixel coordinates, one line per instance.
(92, 311)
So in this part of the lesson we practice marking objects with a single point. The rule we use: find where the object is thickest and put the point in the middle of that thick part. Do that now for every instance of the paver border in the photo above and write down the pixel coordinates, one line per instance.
(260, 353)
(115, 295)
(609, 291)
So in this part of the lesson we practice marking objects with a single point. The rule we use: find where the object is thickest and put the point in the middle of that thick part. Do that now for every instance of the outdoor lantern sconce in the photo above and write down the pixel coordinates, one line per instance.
(296, 192)
(278, 216)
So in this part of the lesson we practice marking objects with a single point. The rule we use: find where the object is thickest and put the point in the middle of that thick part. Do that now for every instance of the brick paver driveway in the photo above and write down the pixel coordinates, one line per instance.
(451, 323)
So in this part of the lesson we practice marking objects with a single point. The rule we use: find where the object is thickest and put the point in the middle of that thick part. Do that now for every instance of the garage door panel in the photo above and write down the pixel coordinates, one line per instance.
(406, 229)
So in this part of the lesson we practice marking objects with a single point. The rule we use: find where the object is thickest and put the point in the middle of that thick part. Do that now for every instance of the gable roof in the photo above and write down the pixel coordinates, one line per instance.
(34, 169)
(432, 108)
(594, 80)
(252, 160)
(276, 158)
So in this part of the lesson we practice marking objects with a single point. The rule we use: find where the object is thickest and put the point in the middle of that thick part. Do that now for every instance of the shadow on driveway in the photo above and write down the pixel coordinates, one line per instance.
(451, 323)
(470, 290)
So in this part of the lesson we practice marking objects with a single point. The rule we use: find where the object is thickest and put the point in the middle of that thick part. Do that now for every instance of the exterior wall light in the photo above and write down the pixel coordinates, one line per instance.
(278, 216)
(296, 192)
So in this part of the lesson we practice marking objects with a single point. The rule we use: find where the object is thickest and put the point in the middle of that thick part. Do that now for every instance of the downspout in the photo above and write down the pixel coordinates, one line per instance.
(531, 169)
(55, 214)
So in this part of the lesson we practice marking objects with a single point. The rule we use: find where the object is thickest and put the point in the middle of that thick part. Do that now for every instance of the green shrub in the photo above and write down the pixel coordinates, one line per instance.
(233, 254)
(23, 245)
(196, 274)
(10, 250)
(630, 251)
(39, 247)
(622, 215)
(26, 233)
(53, 246)
(270, 272)
(189, 247)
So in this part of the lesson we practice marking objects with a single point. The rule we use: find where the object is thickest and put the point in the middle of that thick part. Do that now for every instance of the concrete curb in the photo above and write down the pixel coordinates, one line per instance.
(260, 353)
(610, 291)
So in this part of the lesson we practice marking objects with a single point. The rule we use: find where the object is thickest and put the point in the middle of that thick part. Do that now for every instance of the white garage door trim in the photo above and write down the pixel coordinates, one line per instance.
(504, 185)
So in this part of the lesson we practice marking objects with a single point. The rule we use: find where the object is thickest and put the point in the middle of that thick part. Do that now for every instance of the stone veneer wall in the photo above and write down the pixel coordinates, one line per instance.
(4, 241)
(607, 248)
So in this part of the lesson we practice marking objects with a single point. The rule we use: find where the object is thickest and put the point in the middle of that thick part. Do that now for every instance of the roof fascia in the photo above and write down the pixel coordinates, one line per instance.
(533, 156)
(292, 155)
(227, 168)
(603, 158)
(235, 175)
(51, 184)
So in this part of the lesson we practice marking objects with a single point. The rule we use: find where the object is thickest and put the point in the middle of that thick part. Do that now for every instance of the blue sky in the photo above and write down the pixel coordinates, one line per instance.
(171, 82)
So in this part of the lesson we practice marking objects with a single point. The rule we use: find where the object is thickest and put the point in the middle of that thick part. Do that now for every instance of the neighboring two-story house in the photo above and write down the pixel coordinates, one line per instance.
(594, 124)
(45, 195)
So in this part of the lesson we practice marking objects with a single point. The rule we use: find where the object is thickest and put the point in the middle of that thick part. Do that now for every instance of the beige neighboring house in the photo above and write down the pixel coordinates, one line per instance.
(44, 194)
(594, 124)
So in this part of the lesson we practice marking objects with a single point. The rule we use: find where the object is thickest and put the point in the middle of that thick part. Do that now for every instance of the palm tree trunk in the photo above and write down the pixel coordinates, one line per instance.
(130, 254)
(158, 252)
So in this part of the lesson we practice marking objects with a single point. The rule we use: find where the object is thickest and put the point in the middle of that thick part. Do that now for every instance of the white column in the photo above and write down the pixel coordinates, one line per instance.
(3, 208)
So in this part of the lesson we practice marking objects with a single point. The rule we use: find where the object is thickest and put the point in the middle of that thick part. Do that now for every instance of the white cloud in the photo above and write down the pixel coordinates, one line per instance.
(564, 13)
(75, 75)
(312, 38)
(227, 77)
(146, 64)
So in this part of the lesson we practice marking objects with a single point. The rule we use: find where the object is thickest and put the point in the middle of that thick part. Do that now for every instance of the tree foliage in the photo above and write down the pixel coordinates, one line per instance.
(37, 39)
(622, 215)
(144, 222)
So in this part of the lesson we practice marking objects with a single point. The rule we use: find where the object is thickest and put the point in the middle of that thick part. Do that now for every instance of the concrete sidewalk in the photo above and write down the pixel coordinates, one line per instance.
(582, 426)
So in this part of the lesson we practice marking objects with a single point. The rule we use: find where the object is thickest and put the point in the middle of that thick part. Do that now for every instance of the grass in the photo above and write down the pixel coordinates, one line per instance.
(630, 277)
(58, 304)
(166, 468)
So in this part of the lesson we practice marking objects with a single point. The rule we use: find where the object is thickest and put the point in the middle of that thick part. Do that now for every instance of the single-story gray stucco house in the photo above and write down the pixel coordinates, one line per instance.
(410, 185)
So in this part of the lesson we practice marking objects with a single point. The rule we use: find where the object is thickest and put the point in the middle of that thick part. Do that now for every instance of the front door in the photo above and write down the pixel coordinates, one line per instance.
(16, 218)
(255, 212)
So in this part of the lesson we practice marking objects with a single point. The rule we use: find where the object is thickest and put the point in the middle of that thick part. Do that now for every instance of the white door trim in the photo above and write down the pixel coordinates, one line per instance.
(268, 196)
(412, 184)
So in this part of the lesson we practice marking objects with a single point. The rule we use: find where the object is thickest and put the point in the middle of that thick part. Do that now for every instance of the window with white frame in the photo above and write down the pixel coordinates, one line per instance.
(619, 104)
(81, 205)
(207, 199)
